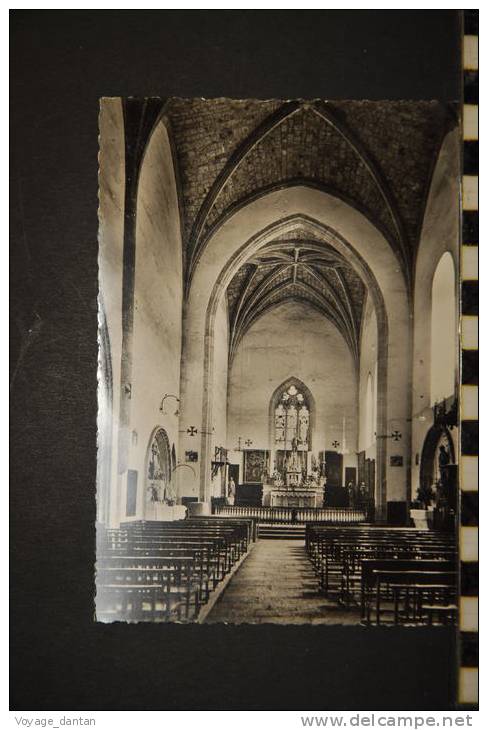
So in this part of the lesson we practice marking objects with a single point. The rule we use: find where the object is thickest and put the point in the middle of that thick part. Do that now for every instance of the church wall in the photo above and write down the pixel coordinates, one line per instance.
(440, 233)
(157, 308)
(368, 364)
(191, 406)
(292, 340)
(219, 410)
(192, 389)
(111, 239)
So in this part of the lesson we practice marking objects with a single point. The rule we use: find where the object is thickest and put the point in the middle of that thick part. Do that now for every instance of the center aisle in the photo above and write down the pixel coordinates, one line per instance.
(277, 584)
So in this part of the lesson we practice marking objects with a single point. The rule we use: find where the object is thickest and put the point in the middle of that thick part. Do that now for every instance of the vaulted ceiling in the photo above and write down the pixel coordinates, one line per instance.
(378, 156)
(303, 268)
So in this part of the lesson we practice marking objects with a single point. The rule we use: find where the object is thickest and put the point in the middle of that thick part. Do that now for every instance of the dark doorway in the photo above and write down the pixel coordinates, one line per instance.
(370, 477)
(234, 473)
(350, 475)
(333, 468)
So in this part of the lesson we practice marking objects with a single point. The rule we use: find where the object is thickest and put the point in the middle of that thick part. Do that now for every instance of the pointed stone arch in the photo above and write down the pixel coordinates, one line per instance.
(370, 255)
(311, 286)
(427, 460)
(157, 466)
(204, 226)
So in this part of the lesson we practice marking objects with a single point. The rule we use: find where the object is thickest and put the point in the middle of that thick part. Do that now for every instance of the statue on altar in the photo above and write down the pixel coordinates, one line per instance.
(293, 462)
(293, 470)
(277, 479)
(315, 475)
(303, 422)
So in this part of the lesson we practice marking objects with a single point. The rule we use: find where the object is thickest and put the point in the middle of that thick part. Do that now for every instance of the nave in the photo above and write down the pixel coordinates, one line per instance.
(218, 570)
(277, 584)
(278, 344)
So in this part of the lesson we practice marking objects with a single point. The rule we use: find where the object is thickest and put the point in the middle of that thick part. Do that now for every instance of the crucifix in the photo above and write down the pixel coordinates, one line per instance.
(248, 443)
(395, 435)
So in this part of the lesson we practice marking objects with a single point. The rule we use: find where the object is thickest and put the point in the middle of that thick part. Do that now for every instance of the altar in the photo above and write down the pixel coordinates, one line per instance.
(292, 496)
(293, 486)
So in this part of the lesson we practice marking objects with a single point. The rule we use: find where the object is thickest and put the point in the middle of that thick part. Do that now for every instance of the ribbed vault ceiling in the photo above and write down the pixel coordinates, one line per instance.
(297, 267)
(376, 155)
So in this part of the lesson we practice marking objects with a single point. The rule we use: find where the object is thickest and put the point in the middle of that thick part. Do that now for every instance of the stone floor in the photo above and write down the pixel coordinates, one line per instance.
(276, 584)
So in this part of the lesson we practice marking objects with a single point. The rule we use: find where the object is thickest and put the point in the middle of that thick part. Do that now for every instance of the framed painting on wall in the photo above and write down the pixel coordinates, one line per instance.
(254, 466)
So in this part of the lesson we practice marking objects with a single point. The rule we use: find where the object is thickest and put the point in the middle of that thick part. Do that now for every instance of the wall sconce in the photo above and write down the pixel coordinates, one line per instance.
(169, 395)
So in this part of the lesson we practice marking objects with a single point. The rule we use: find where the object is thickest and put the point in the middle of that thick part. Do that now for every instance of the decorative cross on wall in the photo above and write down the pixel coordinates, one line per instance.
(335, 444)
(192, 431)
(395, 435)
(248, 442)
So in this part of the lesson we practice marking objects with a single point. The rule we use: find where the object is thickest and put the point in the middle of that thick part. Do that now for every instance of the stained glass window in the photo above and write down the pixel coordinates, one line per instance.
(292, 420)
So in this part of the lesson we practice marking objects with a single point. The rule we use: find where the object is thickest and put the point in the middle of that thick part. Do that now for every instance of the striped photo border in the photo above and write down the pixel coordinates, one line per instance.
(468, 525)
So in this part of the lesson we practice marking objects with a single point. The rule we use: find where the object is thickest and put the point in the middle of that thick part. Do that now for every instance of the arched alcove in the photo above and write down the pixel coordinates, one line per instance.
(367, 250)
(439, 240)
(159, 485)
(158, 291)
(443, 344)
(436, 437)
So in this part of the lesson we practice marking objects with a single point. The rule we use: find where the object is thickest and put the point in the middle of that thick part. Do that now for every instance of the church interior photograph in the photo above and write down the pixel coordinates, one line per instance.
(278, 361)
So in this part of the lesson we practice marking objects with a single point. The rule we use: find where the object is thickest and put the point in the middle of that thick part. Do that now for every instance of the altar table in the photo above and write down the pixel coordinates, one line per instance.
(292, 496)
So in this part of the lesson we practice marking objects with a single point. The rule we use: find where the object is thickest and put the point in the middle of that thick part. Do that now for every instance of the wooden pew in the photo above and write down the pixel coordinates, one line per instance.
(350, 561)
(439, 584)
(378, 574)
(169, 592)
(166, 570)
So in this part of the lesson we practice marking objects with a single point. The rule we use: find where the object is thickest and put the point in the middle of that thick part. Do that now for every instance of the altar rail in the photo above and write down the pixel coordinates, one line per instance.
(335, 515)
